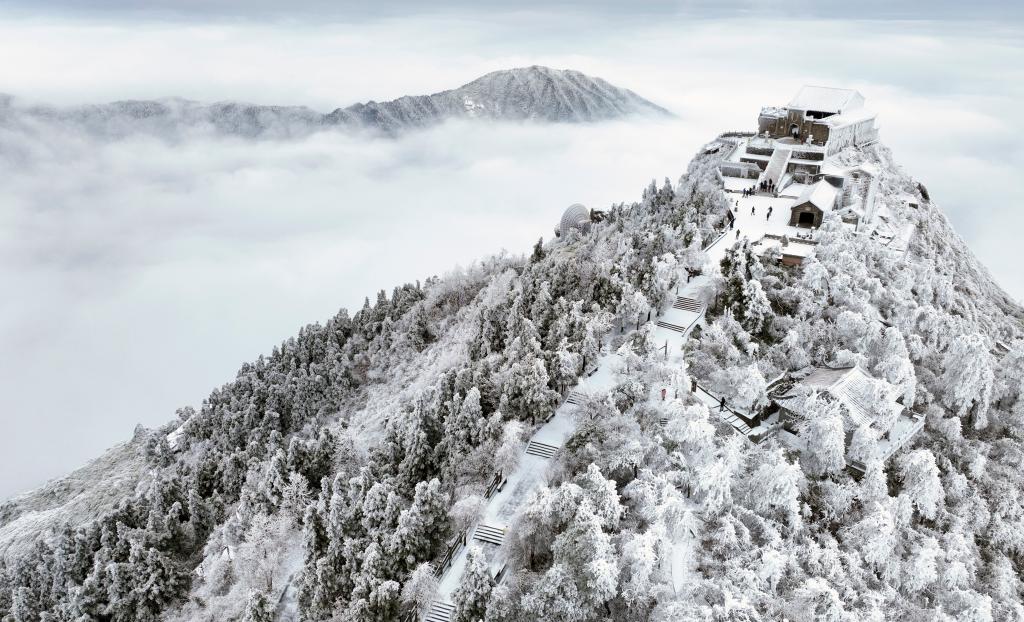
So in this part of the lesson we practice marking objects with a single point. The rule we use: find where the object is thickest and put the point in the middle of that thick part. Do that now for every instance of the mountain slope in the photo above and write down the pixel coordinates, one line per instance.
(531, 93)
(324, 480)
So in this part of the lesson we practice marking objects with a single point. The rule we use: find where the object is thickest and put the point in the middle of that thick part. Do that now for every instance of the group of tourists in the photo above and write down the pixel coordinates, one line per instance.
(766, 185)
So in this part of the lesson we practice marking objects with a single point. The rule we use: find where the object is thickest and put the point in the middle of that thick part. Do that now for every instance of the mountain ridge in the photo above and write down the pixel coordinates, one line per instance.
(534, 93)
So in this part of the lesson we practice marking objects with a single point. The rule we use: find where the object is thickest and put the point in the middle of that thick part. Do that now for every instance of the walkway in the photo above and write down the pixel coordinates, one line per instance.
(671, 329)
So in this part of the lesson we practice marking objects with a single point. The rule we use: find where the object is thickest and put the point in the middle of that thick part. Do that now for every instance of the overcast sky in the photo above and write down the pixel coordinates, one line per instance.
(138, 275)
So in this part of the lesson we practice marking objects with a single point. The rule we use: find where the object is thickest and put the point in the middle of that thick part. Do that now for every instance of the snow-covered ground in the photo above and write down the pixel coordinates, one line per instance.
(503, 507)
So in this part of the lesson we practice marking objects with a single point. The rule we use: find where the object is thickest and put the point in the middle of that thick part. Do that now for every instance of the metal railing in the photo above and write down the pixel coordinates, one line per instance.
(495, 485)
(449, 555)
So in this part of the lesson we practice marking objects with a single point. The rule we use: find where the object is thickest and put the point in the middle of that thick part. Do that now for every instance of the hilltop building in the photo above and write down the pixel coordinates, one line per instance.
(789, 177)
(821, 116)
(810, 207)
(862, 399)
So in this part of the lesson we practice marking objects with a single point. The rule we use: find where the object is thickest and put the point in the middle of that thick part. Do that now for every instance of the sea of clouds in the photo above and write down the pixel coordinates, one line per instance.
(137, 274)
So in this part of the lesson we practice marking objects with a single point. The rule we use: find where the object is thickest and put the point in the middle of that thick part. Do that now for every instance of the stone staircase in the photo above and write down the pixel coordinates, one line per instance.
(489, 534)
(575, 398)
(541, 450)
(688, 304)
(440, 612)
(777, 166)
(730, 417)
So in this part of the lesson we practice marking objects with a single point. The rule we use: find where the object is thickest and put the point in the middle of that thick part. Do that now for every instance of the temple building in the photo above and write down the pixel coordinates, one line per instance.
(862, 401)
(812, 204)
(821, 116)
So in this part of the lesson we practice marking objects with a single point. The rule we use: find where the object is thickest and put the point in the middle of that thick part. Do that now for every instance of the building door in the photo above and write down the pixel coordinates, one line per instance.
(794, 131)
(806, 219)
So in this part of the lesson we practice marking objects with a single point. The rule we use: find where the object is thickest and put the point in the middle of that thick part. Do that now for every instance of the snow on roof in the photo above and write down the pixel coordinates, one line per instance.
(822, 195)
(850, 386)
(792, 249)
(849, 118)
(826, 99)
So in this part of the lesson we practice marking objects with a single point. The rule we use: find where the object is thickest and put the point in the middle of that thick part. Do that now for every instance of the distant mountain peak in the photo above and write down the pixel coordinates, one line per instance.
(534, 93)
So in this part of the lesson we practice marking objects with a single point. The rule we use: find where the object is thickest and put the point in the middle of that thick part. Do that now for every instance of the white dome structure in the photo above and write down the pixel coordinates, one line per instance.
(577, 217)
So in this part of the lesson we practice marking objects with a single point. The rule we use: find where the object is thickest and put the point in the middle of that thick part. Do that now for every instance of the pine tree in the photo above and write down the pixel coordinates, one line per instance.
(526, 394)
(474, 591)
(422, 529)
(258, 608)
(538, 251)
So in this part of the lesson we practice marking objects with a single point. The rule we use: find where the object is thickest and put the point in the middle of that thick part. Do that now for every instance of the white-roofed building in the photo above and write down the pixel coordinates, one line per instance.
(862, 400)
(812, 204)
(825, 100)
(821, 116)
(859, 192)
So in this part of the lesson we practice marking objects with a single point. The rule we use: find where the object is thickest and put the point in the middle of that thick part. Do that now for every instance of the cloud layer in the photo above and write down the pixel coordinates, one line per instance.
(138, 274)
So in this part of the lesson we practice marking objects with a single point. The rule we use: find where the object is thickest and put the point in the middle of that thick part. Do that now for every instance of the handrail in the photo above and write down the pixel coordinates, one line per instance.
(494, 485)
(453, 548)
(712, 395)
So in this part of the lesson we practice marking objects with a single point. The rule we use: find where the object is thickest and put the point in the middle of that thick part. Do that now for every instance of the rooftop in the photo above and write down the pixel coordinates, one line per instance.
(852, 387)
(849, 118)
(820, 194)
(826, 99)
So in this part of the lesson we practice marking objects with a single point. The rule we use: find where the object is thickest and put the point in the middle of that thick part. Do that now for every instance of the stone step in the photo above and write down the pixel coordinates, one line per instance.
(670, 326)
(542, 450)
(489, 534)
(440, 612)
(688, 304)
(734, 421)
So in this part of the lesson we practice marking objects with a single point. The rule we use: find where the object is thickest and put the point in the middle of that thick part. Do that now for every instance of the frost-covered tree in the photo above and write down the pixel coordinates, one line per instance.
(816, 601)
(474, 591)
(565, 366)
(421, 588)
(863, 444)
(258, 608)
(824, 436)
(422, 529)
(874, 537)
(921, 570)
(717, 478)
(744, 387)
(756, 309)
(921, 483)
(968, 379)
(775, 486)
(260, 557)
(526, 393)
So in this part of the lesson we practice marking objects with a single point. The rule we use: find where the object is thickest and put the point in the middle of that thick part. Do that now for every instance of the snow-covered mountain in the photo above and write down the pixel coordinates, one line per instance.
(524, 94)
(651, 417)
